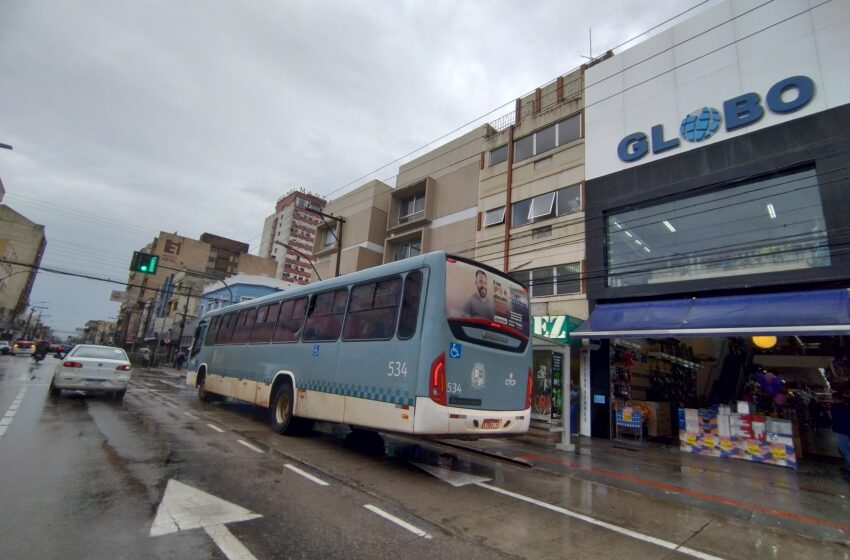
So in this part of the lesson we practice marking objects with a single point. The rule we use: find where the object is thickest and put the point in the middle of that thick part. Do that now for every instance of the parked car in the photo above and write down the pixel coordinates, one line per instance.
(23, 348)
(93, 369)
(5, 348)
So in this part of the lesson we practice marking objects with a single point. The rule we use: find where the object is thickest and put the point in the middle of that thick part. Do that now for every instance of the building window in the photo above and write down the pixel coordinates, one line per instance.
(408, 249)
(329, 240)
(494, 217)
(545, 139)
(551, 280)
(545, 206)
(771, 224)
(411, 208)
(498, 155)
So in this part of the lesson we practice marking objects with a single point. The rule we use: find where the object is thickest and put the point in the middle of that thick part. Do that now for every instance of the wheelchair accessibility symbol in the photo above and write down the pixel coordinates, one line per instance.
(454, 350)
(315, 350)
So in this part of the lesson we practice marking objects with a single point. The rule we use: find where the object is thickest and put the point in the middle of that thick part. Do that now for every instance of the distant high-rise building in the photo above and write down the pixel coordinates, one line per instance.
(293, 224)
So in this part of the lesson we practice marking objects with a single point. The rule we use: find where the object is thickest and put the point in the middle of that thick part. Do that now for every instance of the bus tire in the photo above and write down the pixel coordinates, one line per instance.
(203, 394)
(280, 411)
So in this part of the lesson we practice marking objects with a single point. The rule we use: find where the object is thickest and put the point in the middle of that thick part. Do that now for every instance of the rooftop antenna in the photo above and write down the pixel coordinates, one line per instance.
(589, 44)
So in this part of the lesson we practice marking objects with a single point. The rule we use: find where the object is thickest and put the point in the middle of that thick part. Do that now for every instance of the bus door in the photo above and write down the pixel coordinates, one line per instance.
(320, 350)
(488, 358)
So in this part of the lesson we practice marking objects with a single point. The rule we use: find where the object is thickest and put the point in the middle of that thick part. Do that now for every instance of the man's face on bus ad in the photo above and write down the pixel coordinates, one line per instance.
(481, 284)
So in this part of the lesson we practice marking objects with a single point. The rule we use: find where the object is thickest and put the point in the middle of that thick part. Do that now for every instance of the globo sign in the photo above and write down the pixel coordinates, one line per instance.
(738, 112)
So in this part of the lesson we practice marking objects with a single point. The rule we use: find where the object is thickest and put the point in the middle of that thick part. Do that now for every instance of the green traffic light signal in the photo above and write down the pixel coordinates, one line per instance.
(144, 262)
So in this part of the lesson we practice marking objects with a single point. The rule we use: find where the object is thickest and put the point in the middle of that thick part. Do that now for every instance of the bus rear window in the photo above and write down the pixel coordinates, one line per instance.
(478, 296)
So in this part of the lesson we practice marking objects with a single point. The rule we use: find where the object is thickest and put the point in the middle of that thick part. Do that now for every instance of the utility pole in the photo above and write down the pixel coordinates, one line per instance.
(337, 234)
(32, 310)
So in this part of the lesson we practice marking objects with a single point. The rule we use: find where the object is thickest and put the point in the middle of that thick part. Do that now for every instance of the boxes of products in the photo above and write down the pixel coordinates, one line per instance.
(658, 421)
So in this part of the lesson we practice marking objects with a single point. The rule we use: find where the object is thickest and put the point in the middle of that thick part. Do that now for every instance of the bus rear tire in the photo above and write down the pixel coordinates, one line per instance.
(280, 411)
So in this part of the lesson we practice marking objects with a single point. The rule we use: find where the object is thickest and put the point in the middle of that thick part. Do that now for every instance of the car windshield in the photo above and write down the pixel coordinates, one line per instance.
(101, 353)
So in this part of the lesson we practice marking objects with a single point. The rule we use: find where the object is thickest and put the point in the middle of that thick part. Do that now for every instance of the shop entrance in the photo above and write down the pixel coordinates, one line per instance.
(741, 377)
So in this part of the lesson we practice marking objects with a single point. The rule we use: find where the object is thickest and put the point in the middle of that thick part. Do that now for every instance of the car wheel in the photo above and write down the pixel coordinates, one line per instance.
(54, 390)
(119, 395)
(280, 412)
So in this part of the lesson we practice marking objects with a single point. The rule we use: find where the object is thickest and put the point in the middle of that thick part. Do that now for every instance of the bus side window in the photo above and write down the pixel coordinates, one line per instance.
(324, 319)
(372, 310)
(410, 305)
(225, 333)
(244, 325)
(213, 330)
(266, 318)
(290, 320)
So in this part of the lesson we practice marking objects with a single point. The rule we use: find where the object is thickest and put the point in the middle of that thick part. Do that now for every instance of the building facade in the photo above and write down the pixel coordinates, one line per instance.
(531, 198)
(209, 257)
(21, 241)
(293, 223)
(361, 234)
(717, 196)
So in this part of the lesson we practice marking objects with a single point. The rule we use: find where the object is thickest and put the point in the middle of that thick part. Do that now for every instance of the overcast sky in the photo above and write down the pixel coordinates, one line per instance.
(128, 118)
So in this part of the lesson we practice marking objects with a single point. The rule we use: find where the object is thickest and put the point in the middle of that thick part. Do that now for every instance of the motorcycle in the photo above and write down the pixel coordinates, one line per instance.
(38, 356)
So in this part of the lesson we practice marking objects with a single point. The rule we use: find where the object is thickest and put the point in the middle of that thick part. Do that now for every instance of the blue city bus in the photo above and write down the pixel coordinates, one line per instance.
(434, 345)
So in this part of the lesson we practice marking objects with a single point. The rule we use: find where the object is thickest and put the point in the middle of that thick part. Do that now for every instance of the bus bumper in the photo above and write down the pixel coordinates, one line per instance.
(432, 418)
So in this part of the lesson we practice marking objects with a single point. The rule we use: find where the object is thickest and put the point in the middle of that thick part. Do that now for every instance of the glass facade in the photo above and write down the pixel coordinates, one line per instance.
(771, 224)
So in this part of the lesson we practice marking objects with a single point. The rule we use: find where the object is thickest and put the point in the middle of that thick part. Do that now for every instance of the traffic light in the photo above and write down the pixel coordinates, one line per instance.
(144, 262)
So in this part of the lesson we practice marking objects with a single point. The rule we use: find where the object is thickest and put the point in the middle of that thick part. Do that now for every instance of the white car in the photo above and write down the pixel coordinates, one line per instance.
(23, 348)
(93, 369)
(5, 347)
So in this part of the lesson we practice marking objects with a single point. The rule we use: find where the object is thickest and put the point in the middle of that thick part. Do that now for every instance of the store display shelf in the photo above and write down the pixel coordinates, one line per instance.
(674, 360)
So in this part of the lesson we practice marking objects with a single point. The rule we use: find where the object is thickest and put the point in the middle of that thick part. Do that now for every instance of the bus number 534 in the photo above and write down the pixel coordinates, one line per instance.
(397, 369)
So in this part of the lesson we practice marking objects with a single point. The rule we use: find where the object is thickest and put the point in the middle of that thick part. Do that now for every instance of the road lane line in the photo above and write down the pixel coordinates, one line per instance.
(249, 446)
(611, 527)
(306, 475)
(228, 544)
(192, 416)
(10, 413)
(216, 428)
(401, 523)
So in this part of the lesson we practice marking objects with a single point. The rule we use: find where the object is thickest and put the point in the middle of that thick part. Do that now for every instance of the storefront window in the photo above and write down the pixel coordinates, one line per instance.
(772, 224)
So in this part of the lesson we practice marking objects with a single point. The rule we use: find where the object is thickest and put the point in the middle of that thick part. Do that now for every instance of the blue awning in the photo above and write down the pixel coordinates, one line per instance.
(822, 312)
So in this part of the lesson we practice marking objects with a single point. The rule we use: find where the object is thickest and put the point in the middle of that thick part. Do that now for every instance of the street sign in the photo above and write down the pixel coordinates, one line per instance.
(121, 297)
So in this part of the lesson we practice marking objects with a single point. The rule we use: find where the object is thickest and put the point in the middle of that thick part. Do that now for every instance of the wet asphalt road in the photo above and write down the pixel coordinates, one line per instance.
(84, 477)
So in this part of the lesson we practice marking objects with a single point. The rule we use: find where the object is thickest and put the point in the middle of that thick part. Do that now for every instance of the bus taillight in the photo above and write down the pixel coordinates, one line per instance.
(437, 390)
(528, 390)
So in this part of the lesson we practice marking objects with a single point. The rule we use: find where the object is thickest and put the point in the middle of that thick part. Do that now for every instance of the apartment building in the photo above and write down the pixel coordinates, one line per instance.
(290, 233)
(531, 199)
(21, 241)
(361, 233)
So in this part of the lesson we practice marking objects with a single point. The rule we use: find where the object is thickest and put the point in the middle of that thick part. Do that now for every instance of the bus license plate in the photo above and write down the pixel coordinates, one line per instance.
(491, 424)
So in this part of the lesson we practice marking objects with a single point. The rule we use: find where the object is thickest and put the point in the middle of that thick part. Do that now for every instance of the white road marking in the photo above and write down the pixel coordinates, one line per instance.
(170, 384)
(249, 446)
(6, 421)
(228, 544)
(401, 523)
(191, 415)
(611, 527)
(306, 475)
(216, 428)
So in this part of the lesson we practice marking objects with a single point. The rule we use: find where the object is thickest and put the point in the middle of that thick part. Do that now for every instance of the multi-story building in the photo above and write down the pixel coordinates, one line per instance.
(531, 197)
(23, 242)
(361, 235)
(718, 193)
(98, 332)
(435, 206)
(290, 233)
(211, 256)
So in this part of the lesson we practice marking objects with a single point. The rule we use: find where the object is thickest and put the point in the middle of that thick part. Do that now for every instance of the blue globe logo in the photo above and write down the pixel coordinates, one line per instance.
(700, 124)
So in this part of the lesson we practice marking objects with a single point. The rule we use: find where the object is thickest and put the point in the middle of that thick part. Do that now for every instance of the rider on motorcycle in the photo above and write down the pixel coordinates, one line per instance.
(42, 347)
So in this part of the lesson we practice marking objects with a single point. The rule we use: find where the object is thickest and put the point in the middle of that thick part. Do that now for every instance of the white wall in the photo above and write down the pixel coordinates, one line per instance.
(727, 50)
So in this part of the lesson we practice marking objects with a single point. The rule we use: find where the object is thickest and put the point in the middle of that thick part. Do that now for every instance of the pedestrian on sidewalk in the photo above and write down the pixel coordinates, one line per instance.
(841, 425)
(181, 358)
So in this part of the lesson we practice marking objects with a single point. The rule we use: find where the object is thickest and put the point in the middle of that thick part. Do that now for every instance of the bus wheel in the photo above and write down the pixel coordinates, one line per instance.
(203, 394)
(280, 412)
